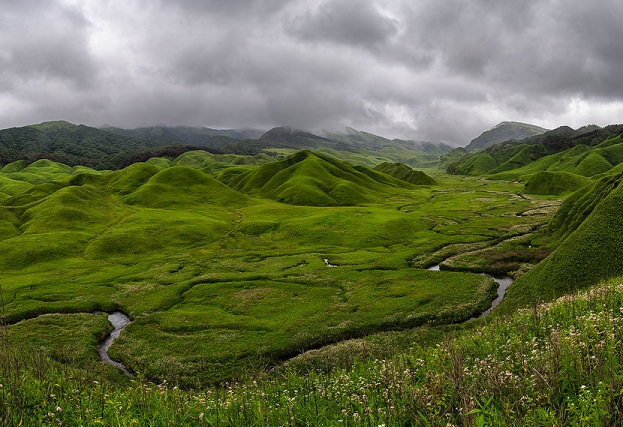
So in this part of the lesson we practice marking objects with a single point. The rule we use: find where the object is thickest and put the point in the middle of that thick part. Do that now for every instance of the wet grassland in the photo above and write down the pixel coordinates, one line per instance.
(222, 282)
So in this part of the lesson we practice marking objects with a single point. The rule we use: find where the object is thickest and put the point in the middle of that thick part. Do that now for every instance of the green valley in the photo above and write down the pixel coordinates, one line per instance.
(291, 287)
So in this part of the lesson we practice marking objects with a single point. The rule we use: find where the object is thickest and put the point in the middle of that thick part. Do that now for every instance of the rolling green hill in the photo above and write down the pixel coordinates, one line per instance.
(405, 173)
(586, 233)
(586, 152)
(183, 186)
(554, 183)
(314, 179)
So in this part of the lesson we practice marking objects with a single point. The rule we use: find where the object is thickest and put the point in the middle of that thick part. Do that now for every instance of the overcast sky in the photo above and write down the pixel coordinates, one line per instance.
(441, 70)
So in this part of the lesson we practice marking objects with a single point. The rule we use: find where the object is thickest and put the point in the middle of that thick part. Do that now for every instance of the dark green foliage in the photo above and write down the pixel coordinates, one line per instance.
(69, 144)
(405, 173)
(198, 137)
(554, 183)
(505, 131)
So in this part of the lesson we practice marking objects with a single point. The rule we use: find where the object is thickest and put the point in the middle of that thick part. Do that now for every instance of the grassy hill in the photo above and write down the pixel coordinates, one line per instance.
(183, 186)
(314, 179)
(225, 285)
(554, 183)
(405, 173)
(583, 153)
(219, 283)
(585, 233)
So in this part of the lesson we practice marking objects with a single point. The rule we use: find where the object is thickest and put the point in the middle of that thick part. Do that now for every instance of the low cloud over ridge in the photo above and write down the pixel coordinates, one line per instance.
(423, 70)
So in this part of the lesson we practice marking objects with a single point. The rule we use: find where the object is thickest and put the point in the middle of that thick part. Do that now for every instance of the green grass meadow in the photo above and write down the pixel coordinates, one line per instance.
(296, 292)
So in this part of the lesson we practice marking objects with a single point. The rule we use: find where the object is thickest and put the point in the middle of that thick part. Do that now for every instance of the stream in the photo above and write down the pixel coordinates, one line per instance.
(503, 283)
(119, 320)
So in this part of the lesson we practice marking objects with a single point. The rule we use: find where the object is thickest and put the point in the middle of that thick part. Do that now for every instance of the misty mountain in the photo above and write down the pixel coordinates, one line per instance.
(504, 131)
(587, 151)
(113, 148)
(70, 144)
(197, 136)
(368, 141)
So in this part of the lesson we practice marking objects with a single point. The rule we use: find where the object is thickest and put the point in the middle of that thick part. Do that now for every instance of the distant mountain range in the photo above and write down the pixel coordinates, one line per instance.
(504, 131)
(553, 162)
(113, 148)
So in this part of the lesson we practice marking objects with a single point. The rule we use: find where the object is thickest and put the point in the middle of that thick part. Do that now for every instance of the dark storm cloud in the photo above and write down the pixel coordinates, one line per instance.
(349, 22)
(435, 70)
(44, 40)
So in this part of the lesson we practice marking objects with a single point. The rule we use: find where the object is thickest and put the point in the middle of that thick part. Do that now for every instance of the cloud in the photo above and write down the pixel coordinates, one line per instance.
(44, 40)
(346, 22)
(421, 70)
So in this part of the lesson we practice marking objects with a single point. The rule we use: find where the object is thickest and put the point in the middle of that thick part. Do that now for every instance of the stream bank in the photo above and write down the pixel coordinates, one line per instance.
(120, 321)
(503, 283)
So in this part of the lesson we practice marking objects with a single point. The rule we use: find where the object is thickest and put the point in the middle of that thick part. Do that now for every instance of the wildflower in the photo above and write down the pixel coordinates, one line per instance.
(59, 409)
(201, 416)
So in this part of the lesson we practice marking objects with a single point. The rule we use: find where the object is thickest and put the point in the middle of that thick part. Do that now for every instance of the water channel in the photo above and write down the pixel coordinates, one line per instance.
(503, 283)
(119, 320)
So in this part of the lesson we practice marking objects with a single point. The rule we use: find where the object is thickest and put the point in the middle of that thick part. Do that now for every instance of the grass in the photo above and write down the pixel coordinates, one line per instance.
(554, 183)
(554, 364)
(404, 172)
(310, 179)
(232, 289)
(221, 284)
(588, 229)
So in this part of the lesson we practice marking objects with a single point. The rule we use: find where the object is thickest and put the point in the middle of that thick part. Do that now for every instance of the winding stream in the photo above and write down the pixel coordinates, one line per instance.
(503, 283)
(119, 320)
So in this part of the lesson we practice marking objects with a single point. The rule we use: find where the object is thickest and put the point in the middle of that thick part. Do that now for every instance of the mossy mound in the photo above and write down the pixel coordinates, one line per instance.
(129, 179)
(184, 186)
(34, 194)
(73, 209)
(313, 179)
(554, 183)
(405, 173)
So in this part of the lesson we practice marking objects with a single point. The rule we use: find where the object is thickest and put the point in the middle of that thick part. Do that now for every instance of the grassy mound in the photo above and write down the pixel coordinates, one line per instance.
(554, 183)
(155, 232)
(129, 179)
(184, 186)
(312, 179)
(405, 173)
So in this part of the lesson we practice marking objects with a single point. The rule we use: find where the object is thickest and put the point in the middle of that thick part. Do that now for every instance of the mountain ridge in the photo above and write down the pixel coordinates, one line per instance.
(504, 131)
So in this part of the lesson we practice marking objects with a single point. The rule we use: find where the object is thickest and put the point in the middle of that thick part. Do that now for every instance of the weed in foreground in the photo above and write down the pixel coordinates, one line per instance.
(553, 364)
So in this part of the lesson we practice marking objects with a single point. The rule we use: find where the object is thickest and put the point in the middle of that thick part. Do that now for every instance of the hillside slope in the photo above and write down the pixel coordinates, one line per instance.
(504, 131)
(587, 232)
(315, 179)
(70, 144)
(405, 173)
(586, 152)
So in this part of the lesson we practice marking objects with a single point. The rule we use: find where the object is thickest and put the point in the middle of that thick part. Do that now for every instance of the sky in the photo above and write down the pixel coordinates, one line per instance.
(435, 70)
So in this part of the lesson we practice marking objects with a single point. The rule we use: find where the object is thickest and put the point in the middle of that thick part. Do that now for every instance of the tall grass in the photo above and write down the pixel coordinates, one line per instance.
(552, 364)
